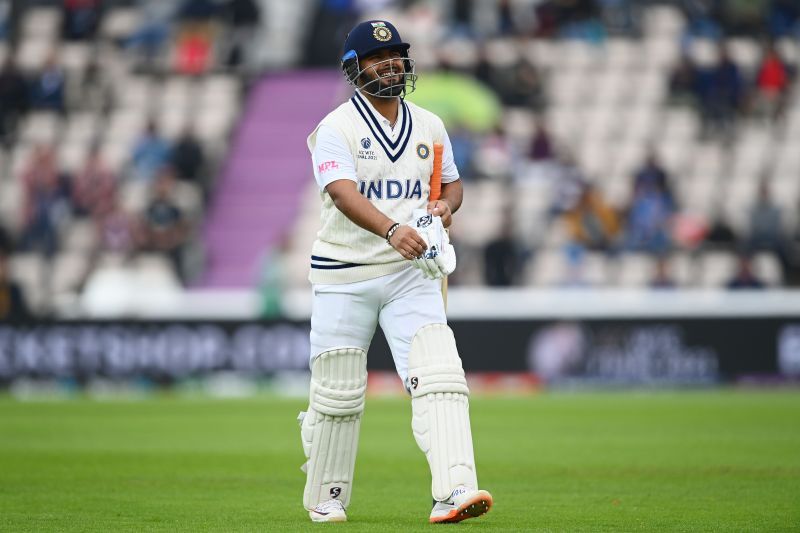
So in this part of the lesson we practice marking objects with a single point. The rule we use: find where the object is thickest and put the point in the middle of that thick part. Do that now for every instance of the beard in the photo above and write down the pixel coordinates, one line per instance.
(388, 86)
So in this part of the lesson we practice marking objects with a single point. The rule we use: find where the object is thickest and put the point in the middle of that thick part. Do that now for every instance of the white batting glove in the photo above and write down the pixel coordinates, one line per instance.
(439, 260)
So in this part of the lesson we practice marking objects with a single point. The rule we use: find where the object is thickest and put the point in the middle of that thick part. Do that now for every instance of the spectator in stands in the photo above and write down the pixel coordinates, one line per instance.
(683, 83)
(517, 82)
(80, 19)
(720, 235)
(46, 201)
(12, 300)
(495, 157)
(784, 18)
(10, 17)
(744, 17)
(541, 149)
(272, 285)
(116, 229)
(592, 224)
(619, 16)
(48, 85)
(5, 9)
(464, 146)
(164, 227)
(720, 92)
(766, 231)
(649, 217)
(745, 278)
(568, 184)
(194, 49)
(772, 84)
(243, 18)
(528, 90)
(14, 98)
(150, 154)
(94, 186)
(188, 159)
(6, 244)
(653, 173)
(703, 18)
(153, 31)
(502, 258)
(662, 279)
(198, 11)
(330, 22)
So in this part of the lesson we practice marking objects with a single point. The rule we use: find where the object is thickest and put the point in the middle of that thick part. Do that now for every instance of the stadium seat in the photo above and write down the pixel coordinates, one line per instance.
(716, 268)
(746, 52)
(32, 53)
(69, 271)
(41, 127)
(80, 237)
(41, 22)
(119, 22)
(767, 267)
(635, 270)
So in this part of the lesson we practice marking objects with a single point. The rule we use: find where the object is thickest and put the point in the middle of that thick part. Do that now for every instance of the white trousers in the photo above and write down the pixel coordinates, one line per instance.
(345, 315)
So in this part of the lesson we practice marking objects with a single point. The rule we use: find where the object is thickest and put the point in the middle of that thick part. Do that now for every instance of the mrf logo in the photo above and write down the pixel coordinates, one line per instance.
(335, 492)
(414, 382)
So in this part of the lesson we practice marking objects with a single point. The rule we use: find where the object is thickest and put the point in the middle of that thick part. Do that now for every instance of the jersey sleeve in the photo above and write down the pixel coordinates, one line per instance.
(449, 170)
(331, 157)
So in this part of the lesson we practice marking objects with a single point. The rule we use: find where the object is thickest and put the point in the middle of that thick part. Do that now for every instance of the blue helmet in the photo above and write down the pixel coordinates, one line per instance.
(370, 37)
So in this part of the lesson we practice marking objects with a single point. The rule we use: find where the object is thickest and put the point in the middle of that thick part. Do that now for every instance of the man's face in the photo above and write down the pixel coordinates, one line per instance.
(383, 73)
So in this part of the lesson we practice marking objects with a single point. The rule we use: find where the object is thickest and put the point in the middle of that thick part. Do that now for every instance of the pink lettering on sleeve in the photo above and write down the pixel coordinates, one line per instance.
(326, 166)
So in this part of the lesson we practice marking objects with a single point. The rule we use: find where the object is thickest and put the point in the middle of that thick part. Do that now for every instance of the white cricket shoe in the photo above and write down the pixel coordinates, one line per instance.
(328, 511)
(463, 503)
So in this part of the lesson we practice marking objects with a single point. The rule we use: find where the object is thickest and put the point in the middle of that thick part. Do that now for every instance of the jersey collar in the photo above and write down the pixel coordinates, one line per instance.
(375, 121)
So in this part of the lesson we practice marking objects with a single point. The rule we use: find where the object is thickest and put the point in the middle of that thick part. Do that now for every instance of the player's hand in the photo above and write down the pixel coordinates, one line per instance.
(407, 242)
(440, 208)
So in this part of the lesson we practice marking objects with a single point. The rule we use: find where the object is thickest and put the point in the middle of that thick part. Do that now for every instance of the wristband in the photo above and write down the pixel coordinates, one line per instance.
(391, 232)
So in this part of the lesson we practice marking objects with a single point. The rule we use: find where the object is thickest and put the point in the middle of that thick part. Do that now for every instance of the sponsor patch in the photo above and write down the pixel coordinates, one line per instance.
(326, 166)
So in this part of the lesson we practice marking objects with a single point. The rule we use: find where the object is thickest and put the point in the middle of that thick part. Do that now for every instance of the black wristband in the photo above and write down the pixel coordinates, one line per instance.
(391, 232)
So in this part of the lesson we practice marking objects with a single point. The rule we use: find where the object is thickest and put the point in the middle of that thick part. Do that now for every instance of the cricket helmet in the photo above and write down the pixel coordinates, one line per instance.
(366, 39)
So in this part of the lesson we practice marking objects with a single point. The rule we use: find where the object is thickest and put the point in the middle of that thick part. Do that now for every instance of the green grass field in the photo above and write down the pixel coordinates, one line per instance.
(696, 461)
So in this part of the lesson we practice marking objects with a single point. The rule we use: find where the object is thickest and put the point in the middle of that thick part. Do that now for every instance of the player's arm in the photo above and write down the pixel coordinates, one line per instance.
(450, 201)
(360, 211)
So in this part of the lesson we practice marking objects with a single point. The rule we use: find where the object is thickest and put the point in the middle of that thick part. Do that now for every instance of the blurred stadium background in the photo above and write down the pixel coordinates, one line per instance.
(631, 174)
(631, 221)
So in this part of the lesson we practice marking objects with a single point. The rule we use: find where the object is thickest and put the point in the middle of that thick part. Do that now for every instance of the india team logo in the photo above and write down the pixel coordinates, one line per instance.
(423, 151)
(366, 143)
(381, 32)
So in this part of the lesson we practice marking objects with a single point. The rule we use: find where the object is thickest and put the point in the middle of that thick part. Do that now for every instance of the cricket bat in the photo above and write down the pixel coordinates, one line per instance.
(436, 193)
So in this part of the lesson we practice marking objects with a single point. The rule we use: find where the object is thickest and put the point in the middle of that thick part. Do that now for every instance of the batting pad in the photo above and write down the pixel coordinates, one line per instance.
(329, 429)
(440, 407)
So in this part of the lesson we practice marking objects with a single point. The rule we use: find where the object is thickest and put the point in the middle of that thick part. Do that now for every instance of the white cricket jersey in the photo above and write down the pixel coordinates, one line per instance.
(392, 167)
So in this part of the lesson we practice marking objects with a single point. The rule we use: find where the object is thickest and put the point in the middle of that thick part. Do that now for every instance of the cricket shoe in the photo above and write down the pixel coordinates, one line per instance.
(463, 503)
(328, 511)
